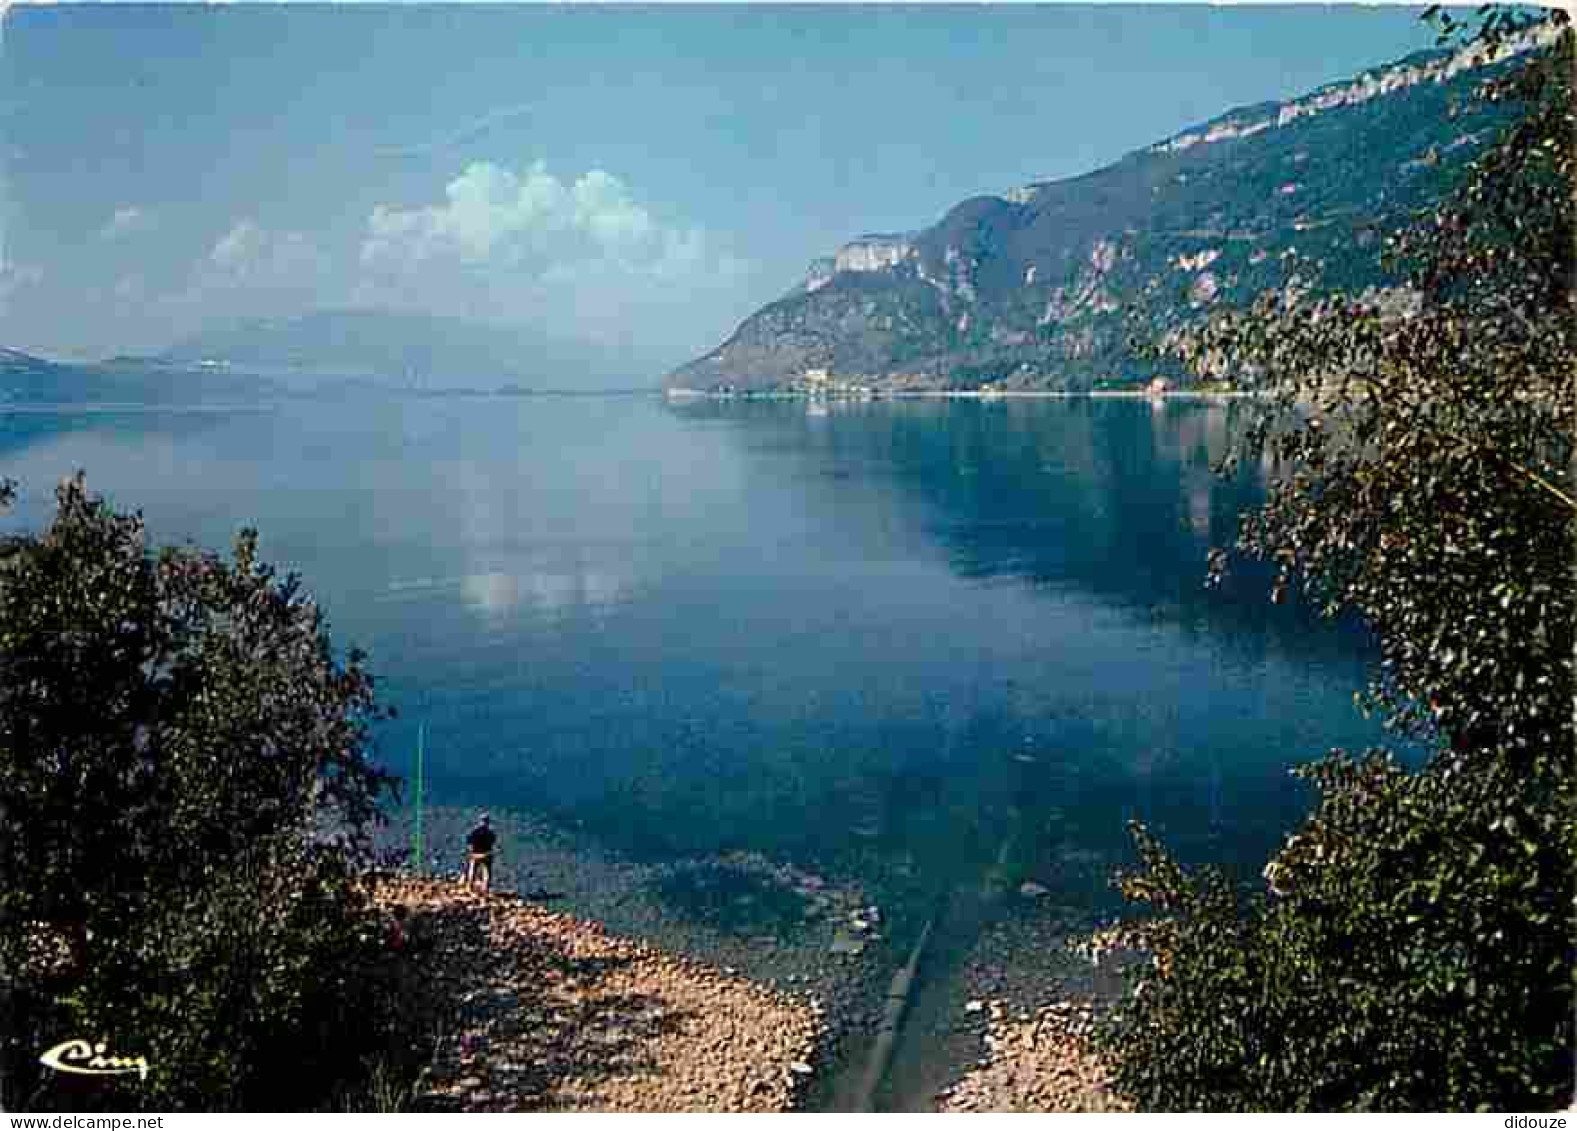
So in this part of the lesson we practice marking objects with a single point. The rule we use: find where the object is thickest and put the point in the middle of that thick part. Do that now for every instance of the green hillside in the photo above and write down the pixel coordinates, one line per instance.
(1045, 286)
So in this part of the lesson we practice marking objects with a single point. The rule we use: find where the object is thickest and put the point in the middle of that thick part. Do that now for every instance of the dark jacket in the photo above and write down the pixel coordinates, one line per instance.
(481, 841)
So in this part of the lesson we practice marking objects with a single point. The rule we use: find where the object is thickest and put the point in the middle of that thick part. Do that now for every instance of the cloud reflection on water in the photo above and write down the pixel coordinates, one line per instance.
(498, 593)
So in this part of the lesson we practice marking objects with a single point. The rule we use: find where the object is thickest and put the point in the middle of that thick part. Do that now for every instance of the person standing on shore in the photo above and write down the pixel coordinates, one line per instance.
(479, 853)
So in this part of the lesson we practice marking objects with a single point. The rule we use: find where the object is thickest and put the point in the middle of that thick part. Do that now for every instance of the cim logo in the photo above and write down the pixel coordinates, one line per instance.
(86, 1059)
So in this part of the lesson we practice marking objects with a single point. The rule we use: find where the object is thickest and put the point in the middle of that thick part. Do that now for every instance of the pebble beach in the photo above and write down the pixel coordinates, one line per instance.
(550, 1012)
(589, 982)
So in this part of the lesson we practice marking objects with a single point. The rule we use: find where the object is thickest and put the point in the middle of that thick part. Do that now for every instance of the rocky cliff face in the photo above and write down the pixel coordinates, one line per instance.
(1435, 68)
(873, 253)
(1043, 286)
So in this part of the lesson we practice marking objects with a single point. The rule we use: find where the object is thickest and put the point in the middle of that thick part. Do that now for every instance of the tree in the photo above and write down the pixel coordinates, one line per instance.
(1414, 948)
(185, 785)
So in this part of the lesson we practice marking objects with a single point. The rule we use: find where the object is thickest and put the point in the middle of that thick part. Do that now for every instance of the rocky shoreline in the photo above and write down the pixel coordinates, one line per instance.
(816, 938)
(1041, 1063)
(548, 1012)
(768, 946)
(1021, 976)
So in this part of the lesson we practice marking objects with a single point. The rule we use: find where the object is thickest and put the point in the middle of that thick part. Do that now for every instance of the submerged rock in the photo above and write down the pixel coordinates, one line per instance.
(845, 943)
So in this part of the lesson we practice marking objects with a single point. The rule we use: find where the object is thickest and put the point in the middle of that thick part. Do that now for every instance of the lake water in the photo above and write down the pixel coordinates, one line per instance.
(905, 641)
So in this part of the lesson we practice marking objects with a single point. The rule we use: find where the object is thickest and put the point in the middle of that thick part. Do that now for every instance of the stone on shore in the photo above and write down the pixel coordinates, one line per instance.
(552, 1013)
(1042, 1063)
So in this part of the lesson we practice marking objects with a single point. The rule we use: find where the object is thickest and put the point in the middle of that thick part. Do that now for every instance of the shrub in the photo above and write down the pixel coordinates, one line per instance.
(185, 791)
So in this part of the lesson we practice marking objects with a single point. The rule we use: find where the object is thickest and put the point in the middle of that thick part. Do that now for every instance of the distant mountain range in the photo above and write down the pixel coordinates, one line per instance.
(389, 349)
(29, 380)
(326, 351)
(1043, 286)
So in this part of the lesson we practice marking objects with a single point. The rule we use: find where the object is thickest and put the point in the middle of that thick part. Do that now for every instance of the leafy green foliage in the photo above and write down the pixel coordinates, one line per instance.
(1415, 949)
(1412, 953)
(265, 975)
(185, 784)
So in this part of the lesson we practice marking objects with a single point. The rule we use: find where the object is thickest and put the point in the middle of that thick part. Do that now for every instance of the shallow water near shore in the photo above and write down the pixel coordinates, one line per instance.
(935, 650)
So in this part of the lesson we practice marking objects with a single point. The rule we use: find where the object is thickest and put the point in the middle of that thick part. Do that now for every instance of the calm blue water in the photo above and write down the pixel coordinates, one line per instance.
(887, 638)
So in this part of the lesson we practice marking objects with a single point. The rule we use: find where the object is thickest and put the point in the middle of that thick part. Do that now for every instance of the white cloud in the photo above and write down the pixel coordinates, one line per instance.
(584, 250)
(251, 256)
(529, 220)
(249, 270)
(236, 246)
(125, 222)
(14, 278)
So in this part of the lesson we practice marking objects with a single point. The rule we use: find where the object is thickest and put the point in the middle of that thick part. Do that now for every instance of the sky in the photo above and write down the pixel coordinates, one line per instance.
(639, 177)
